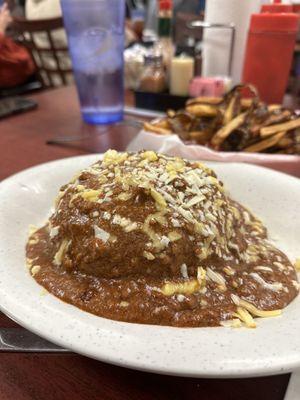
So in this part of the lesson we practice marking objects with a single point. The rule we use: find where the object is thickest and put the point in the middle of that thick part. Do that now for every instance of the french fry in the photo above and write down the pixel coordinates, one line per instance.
(286, 126)
(229, 112)
(171, 113)
(285, 142)
(272, 119)
(246, 103)
(202, 110)
(226, 130)
(253, 125)
(205, 100)
(201, 137)
(156, 129)
(273, 107)
(265, 144)
(163, 123)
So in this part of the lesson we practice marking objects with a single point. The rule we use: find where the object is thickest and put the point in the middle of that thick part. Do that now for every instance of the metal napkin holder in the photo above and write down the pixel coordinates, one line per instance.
(208, 25)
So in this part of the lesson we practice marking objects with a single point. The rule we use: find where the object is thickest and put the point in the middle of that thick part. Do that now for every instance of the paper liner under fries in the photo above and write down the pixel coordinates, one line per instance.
(174, 146)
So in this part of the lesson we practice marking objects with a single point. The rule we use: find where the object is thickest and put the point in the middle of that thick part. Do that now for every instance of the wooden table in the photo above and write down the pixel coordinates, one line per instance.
(70, 376)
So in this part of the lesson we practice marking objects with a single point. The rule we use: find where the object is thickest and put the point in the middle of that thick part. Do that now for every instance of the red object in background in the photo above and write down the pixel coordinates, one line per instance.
(16, 64)
(277, 8)
(296, 8)
(211, 87)
(165, 5)
(269, 53)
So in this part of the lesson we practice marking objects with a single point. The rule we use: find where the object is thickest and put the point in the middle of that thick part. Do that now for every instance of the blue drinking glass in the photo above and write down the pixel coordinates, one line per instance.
(95, 30)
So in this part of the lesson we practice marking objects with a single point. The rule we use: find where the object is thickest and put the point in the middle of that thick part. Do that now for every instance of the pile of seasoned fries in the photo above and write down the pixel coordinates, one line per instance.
(233, 123)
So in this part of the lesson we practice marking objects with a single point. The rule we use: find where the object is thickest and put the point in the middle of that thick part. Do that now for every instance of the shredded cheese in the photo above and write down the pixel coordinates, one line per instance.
(275, 287)
(246, 317)
(61, 252)
(201, 276)
(54, 231)
(215, 277)
(149, 155)
(35, 269)
(184, 271)
(189, 287)
(124, 304)
(33, 240)
(113, 157)
(32, 229)
(90, 195)
(259, 313)
(148, 255)
(173, 236)
(158, 198)
(101, 234)
(124, 196)
(229, 271)
(231, 323)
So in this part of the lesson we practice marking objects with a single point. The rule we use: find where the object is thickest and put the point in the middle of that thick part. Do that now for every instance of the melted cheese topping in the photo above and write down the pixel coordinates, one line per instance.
(189, 287)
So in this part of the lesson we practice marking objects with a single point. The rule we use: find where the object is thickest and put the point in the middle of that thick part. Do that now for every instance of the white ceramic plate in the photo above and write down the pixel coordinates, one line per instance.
(274, 347)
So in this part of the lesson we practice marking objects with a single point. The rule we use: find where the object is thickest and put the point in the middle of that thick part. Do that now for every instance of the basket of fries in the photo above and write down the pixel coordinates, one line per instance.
(231, 128)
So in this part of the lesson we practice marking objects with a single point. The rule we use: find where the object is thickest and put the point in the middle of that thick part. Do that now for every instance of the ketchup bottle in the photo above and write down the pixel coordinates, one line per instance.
(277, 7)
(269, 53)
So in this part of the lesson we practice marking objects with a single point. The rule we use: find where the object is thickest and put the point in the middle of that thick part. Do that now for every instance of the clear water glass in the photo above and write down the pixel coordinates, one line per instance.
(95, 30)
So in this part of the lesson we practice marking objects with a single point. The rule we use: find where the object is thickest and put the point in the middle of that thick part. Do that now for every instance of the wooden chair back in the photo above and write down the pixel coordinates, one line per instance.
(27, 32)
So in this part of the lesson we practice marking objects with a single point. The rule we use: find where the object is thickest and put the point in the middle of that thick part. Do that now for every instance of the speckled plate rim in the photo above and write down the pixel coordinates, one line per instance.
(272, 348)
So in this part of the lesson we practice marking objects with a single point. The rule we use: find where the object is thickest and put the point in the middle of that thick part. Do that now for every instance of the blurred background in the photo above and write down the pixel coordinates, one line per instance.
(161, 43)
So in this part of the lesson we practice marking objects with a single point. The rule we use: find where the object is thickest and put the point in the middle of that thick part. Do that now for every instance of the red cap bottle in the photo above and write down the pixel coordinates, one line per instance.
(165, 5)
(296, 8)
(277, 7)
(269, 53)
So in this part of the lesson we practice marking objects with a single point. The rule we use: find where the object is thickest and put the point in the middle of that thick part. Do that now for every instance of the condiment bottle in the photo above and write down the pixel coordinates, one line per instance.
(277, 7)
(198, 64)
(269, 53)
(181, 73)
(164, 45)
(153, 78)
